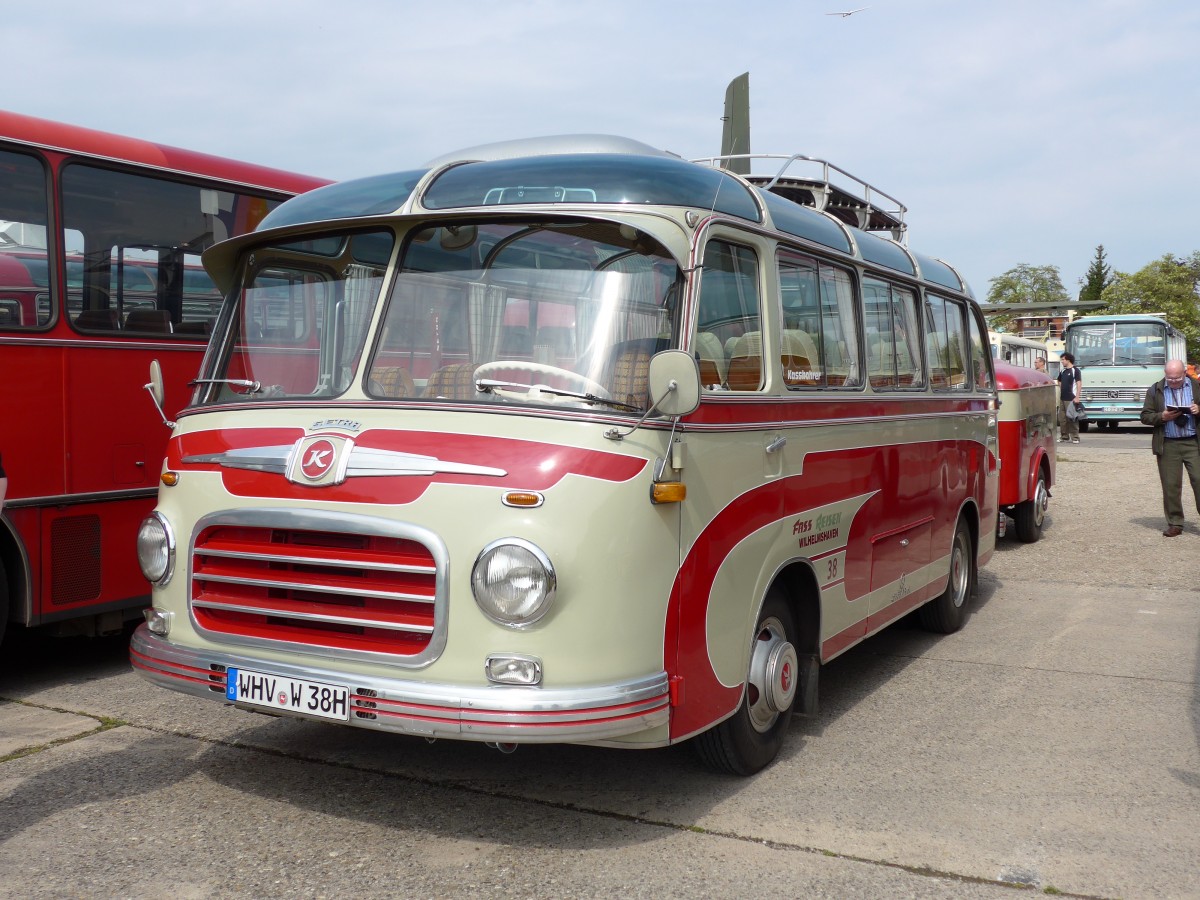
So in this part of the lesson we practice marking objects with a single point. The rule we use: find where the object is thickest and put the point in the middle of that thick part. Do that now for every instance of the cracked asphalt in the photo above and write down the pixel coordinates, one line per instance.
(1052, 745)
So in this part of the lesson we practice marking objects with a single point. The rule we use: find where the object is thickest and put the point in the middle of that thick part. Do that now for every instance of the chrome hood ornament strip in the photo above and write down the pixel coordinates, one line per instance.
(362, 462)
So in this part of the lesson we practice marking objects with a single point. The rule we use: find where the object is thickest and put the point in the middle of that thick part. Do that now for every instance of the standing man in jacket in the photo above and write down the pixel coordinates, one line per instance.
(1070, 392)
(1172, 409)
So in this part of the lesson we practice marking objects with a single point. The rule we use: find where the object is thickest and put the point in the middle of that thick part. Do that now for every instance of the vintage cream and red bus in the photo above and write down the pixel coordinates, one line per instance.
(1028, 411)
(543, 445)
(100, 242)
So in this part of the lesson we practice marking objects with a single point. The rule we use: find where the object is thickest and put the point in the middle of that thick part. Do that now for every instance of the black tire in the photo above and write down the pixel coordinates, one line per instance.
(750, 739)
(3, 601)
(1032, 513)
(946, 613)
(1083, 427)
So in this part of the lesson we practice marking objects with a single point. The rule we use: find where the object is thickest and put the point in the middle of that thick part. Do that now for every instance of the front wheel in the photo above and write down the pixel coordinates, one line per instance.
(946, 613)
(749, 739)
(1032, 513)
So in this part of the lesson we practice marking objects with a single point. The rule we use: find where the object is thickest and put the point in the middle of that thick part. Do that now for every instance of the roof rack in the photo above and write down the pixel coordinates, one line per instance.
(862, 205)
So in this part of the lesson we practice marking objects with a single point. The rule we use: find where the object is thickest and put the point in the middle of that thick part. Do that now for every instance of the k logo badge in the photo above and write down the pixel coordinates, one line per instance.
(320, 460)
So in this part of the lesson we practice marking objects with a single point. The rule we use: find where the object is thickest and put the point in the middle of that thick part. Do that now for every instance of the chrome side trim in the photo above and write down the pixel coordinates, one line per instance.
(150, 493)
(485, 713)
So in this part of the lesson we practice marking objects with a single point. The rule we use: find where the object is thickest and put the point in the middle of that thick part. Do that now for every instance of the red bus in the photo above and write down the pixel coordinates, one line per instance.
(100, 242)
(1028, 409)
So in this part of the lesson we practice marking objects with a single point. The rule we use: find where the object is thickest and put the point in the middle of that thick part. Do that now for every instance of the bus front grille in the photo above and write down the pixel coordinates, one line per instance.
(1114, 395)
(329, 592)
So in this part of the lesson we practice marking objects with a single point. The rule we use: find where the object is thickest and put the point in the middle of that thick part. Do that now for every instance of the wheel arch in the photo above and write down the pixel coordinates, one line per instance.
(800, 588)
(16, 581)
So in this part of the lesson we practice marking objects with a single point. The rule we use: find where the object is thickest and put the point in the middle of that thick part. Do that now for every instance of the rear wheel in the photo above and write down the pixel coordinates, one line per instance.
(748, 740)
(1032, 513)
(947, 612)
(3, 601)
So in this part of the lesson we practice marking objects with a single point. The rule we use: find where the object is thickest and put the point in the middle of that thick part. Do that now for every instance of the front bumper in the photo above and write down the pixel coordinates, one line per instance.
(487, 713)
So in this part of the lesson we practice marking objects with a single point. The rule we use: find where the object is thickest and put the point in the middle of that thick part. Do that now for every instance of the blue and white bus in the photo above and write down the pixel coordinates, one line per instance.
(1121, 356)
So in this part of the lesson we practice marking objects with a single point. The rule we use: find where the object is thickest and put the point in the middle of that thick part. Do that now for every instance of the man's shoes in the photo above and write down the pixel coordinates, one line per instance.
(1173, 531)
(1064, 440)
(1074, 440)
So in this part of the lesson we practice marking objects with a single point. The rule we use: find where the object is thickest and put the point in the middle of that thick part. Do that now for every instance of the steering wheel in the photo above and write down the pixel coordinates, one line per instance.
(585, 384)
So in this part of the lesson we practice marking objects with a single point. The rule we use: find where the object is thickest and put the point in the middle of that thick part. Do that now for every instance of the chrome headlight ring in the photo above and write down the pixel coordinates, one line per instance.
(156, 549)
(513, 582)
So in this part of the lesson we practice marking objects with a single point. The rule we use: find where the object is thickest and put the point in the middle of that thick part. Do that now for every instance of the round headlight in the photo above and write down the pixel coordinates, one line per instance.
(155, 549)
(513, 582)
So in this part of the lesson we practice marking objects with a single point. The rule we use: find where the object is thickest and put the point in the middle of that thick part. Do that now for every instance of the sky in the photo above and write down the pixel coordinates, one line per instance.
(1014, 131)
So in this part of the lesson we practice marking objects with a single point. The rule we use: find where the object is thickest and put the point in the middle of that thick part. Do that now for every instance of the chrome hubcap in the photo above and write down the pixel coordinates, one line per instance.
(1041, 502)
(774, 669)
(959, 570)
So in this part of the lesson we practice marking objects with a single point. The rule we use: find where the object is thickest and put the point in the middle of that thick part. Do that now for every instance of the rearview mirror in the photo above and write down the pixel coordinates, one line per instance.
(674, 382)
(157, 393)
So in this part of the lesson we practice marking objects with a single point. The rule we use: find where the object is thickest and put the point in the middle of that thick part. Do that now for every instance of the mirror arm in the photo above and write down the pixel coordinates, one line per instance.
(614, 434)
(150, 390)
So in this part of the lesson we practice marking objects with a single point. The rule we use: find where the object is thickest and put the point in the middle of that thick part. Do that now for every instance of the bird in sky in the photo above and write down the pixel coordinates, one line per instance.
(847, 13)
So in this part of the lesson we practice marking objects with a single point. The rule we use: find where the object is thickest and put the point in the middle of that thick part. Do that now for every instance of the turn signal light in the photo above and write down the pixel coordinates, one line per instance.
(668, 492)
(170, 479)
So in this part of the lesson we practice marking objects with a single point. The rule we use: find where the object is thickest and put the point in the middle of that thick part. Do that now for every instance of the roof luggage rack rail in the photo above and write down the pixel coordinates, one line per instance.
(861, 205)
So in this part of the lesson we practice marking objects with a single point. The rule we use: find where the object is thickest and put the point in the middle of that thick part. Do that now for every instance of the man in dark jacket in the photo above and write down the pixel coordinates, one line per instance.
(1172, 409)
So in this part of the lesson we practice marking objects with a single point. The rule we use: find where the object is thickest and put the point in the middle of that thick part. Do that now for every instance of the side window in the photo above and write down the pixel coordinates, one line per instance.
(819, 343)
(892, 331)
(133, 246)
(981, 365)
(728, 324)
(24, 272)
(945, 344)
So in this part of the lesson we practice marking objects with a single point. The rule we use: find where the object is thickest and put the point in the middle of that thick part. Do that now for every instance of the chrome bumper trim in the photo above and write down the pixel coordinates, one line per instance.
(486, 713)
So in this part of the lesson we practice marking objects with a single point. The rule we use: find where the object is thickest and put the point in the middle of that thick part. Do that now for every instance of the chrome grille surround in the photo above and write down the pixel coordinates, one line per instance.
(247, 590)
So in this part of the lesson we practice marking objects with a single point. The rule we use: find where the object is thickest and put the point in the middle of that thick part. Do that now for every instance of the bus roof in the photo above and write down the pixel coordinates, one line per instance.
(1131, 317)
(574, 170)
(45, 134)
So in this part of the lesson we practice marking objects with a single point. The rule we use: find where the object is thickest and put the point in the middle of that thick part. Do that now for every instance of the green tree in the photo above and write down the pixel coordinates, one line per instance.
(1099, 276)
(1166, 287)
(1026, 284)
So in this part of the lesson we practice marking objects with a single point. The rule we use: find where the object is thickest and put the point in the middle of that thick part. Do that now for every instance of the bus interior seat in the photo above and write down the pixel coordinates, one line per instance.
(711, 356)
(157, 321)
(393, 382)
(799, 355)
(98, 320)
(201, 328)
(628, 372)
(453, 382)
(939, 377)
(745, 363)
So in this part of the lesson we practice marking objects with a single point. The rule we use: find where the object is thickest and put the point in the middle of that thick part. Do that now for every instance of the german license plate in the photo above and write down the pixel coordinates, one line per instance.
(1114, 409)
(294, 695)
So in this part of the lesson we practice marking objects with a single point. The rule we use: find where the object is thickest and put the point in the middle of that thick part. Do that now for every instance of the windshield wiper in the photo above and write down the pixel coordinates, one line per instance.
(485, 385)
(252, 387)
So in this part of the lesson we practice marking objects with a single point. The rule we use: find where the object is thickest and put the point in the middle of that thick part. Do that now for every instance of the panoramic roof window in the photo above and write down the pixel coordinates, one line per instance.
(591, 178)
(374, 196)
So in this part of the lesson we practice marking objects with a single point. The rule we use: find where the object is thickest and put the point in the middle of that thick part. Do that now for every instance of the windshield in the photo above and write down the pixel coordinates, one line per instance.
(1118, 344)
(295, 327)
(558, 313)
